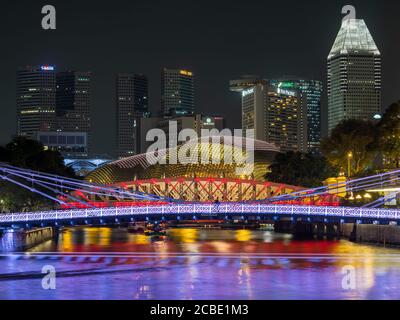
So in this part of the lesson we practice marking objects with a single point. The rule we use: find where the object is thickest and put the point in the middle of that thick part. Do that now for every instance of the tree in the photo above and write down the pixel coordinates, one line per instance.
(300, 169)
(388, 140)
(30, 154)
(354, 139)
(26, 153)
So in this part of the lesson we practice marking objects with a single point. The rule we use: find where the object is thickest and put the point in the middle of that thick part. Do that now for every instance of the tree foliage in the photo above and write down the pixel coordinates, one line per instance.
(295, 168)
(355, 139)
(388, 141)
(26, 153)
(30, 154)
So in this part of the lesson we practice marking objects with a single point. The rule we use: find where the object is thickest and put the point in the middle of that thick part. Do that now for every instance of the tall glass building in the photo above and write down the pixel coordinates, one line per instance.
(177, 92)
(312, 90)
(277, 115)
(132, 105)
(74, 103)
(354, 75)
(36, 100)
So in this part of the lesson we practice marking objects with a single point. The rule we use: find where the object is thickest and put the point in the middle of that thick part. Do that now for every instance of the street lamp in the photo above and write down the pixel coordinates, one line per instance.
(349, 157)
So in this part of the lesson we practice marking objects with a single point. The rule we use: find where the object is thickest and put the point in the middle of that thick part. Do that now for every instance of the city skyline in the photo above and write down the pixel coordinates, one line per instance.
(212, 92)
(204, 156)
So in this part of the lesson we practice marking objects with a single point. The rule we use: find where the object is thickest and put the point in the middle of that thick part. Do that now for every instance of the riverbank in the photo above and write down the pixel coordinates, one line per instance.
(22, 240)
(382, 235)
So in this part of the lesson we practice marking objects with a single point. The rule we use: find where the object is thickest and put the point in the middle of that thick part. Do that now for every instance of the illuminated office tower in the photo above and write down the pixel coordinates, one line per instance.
(74, 103)
(132, 105)
(277, 115)
(253, 110)
(354, 75)
(177, 93)
(286, 119)
(312, 90)
(36, 100)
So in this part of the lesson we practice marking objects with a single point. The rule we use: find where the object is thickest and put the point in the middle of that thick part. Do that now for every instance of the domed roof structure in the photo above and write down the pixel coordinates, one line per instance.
(202, 158)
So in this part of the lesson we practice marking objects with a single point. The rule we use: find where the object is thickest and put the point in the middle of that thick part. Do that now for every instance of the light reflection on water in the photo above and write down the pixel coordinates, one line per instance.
(104, 263)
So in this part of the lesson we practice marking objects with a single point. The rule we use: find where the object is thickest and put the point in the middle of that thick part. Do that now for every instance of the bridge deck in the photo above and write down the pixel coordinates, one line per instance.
(227, 209)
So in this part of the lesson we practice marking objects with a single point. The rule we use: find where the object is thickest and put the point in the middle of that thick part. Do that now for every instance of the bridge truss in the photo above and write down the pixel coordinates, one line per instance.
(63, 190)
(192, 197)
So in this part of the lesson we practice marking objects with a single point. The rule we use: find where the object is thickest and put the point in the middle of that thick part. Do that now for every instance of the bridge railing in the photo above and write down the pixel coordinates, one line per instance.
(204, 209)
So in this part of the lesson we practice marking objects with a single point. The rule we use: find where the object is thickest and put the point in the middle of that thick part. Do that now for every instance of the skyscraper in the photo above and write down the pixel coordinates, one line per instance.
(354, 74)
(277, 115)
(312, 90)
(177, 92)
(74, 102)
(286, 119)
(254, 109)
(36, 100)
(132, 105)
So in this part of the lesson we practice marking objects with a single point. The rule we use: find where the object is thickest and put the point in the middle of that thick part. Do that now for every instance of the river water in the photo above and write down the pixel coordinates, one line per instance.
(105, 263)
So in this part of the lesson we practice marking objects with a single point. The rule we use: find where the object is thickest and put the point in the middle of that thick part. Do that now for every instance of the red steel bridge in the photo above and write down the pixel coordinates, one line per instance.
(80, 202)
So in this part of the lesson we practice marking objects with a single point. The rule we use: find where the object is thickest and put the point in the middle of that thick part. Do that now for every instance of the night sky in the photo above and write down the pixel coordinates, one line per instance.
(219, 40)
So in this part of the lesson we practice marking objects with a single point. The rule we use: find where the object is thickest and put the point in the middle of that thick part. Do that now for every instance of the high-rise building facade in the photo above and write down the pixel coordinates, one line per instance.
(132, 105)
(36, 100)
(286, 119)
(253, 110)
(276, 115)
(73, 107)
(300, 101)
(177, 93)
(246, 82)
(312, 90)
(354, 74)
